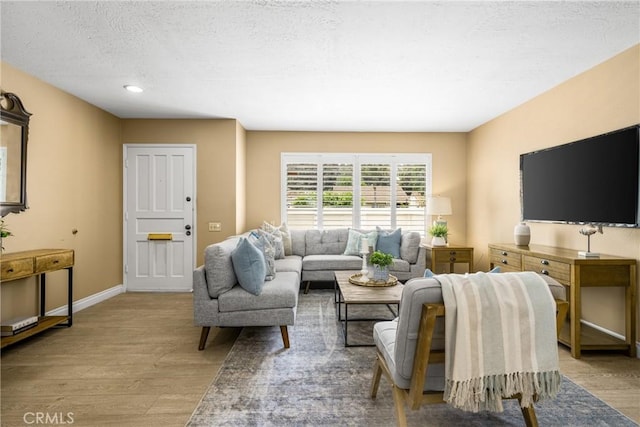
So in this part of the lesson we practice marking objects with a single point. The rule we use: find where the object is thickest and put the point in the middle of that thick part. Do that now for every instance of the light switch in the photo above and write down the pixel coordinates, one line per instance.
(215, 226)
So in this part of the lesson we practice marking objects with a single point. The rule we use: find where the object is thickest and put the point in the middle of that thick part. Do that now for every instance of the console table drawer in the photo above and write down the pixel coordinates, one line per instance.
(16, 269)
(54, 261)
(558, 270)
(505, 258)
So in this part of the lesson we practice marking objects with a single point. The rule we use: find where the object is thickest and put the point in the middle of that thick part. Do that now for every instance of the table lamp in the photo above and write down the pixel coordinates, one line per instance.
(437, 205)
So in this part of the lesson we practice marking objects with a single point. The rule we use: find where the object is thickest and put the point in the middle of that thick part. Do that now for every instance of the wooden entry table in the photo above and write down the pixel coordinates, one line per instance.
(38, 262)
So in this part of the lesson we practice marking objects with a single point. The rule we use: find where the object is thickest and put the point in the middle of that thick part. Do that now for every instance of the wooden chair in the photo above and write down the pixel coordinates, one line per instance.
(429, 349)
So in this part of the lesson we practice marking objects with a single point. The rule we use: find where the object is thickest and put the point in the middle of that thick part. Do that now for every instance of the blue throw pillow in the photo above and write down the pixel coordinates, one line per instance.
(389, 242)
(249, 266)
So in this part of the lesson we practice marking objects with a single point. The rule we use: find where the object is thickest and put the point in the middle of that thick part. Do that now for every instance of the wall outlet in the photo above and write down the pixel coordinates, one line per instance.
(215, 226)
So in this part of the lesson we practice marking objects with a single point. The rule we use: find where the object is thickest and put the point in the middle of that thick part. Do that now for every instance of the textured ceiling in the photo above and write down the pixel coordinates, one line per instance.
(314, 65)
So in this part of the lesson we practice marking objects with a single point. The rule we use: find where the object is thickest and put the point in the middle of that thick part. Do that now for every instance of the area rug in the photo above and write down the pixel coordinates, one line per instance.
(319, 382)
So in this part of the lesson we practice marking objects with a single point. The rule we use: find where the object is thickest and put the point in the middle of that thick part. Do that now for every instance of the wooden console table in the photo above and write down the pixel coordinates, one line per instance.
(451, 255)
(575, 273)
(38, 262)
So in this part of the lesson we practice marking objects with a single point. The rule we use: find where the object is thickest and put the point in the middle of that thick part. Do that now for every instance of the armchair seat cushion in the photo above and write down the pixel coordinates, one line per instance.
(384, 335)
(281, 292)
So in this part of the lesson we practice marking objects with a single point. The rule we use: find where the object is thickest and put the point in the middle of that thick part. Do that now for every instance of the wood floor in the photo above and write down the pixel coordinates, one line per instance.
(133, 361)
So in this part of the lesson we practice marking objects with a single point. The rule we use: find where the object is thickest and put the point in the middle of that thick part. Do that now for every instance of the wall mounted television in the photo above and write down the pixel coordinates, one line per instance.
(594, 180)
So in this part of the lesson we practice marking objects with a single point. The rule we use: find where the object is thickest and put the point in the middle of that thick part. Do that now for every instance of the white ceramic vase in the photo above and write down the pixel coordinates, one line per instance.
(522, 234)
(438, 241)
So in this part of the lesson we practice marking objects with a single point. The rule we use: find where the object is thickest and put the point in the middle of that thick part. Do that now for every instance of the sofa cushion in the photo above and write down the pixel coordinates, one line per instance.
(354, 241)
(286, 235)
(331, 262)
(290, 263)
(326, 242)
(298, 238)
(249, 266)
(281, 292)
(400, 265)
(275, 238)
(409, 246)
(218, 267)
(389, 242)
(261, 242)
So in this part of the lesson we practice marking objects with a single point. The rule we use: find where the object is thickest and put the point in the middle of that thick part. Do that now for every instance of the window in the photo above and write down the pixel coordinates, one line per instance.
(318, 190)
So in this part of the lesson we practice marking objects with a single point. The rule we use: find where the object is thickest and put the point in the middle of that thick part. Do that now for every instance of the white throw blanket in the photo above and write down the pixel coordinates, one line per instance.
(500, 339)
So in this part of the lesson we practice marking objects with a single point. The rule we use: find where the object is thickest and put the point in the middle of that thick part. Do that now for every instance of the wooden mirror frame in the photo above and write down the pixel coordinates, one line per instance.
(12, 111)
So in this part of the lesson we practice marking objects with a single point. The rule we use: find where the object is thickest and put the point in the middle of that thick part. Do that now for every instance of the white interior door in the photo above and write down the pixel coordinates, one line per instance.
(159, 217)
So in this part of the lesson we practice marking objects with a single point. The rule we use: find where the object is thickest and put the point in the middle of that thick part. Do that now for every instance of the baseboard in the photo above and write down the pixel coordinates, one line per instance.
(88, 301)
(613, 334)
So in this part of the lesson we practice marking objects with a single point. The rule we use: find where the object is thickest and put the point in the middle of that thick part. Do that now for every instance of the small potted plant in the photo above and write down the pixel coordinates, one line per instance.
(381, 262)
(4, 232)
(439, 232)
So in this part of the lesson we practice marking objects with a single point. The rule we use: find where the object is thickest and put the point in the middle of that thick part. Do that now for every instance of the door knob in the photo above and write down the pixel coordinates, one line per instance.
(188, 233)
(187, 227)
(188, 199)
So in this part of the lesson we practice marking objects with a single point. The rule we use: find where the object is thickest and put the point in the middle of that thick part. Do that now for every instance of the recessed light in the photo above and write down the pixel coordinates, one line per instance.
(132, 88)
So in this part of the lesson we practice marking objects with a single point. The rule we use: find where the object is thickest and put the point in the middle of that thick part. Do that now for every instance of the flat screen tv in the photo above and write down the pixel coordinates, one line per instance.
(594, 180)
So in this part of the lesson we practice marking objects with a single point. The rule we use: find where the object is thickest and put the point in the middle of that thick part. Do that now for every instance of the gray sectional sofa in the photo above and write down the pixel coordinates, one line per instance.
(312, 255)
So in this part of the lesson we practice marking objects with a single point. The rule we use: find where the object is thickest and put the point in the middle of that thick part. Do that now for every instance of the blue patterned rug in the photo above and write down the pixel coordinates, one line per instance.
(319, 382)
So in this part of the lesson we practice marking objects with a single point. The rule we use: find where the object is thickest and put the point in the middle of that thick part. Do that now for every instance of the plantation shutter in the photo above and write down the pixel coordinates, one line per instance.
(411, 198)
(302, 195)
(376, 195)
(337, 195)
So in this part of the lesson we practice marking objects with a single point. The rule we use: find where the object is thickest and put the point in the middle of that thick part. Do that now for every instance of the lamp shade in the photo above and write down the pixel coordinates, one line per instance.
(439, 206)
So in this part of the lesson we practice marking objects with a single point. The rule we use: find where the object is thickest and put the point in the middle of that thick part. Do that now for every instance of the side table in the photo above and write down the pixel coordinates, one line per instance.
(451, 255)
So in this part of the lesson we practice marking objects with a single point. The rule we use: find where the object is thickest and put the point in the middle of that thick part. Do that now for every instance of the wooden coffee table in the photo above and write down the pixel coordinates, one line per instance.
(347, 294)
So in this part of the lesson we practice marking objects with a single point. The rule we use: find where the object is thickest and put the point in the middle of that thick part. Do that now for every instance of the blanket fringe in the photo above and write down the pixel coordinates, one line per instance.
(486, 393)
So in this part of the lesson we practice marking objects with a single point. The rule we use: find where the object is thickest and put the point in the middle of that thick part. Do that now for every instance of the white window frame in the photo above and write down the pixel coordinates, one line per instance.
(394, 159)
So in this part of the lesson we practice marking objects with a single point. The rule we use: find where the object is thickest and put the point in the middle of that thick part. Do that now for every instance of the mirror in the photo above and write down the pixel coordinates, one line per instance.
(14, 130)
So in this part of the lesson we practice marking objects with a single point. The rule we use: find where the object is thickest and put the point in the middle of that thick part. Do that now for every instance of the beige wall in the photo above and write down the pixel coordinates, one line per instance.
(241, 178)
(602, 99)
(448, 150)
(74, 182)
(216, 168)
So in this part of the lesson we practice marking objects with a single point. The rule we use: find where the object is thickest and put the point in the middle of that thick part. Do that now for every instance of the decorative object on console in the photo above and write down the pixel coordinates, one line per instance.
(522, 234)
(439, 232)
(588, 231)
(381, 262)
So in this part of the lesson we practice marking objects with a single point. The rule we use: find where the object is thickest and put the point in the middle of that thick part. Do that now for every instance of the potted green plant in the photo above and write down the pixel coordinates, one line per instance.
(439, 232)
(381, 262)
(4, 232)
